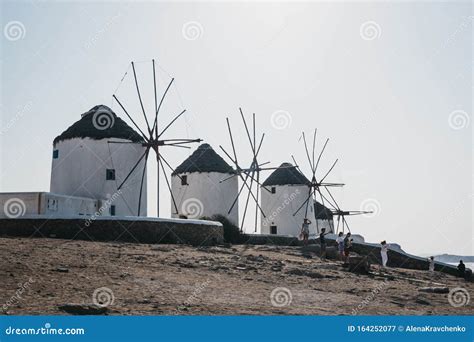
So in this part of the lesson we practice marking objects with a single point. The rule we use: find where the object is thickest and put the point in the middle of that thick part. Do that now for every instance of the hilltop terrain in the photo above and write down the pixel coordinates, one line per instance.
(141, 279)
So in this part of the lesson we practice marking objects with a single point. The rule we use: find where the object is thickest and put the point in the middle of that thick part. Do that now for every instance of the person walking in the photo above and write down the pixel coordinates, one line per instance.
(340, 245)
(384, 253)
(305, 231)
(432, 264)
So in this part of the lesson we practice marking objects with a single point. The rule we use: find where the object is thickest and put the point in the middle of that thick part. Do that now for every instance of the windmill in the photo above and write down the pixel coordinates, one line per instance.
(316, 183)
(341, 214)
(250, 173)
(153, 138)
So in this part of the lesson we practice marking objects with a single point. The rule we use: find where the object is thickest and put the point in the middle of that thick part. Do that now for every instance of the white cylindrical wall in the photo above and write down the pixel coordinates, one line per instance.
(205, 195)
(80, 170)
(280, 206)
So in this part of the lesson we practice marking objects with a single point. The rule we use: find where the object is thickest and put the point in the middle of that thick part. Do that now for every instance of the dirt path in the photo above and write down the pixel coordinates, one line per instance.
(39, 275)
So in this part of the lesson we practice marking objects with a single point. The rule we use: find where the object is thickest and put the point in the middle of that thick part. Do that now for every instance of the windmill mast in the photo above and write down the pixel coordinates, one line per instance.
(251, 174)
(153, 140)
(315, 185)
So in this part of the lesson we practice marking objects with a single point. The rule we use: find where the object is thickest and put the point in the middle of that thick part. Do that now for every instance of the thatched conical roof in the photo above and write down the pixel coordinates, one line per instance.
(204, 159)
(94, 125)
(286, 174)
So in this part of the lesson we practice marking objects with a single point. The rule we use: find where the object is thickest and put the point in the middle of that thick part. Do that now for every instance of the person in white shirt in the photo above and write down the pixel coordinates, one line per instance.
(340, 244)
(432, 264)
(305, 231)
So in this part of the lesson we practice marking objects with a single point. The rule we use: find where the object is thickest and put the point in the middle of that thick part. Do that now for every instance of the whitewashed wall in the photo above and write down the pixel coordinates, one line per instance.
(19, 204)
(205, 196)
(80, 170)
(280, 207)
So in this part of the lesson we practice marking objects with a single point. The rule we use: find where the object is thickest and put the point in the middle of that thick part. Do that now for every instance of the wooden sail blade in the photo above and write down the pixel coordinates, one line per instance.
(145, 154)
(155, 128)
(231, 138)
(307, 153)
(141, 183)
(169, 186)
(140, 98)
(247, 131)
(304, 203)
(314, 144)
(172, 122)
(128, 115)
(320, 154)
(332, 167)
(155, 124)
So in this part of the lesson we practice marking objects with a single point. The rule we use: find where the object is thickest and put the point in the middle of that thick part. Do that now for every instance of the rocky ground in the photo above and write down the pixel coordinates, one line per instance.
(51, 276)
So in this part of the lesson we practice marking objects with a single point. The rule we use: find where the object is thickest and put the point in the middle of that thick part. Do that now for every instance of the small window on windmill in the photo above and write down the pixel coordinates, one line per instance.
(273, 230)
(274, 189)
(55, 154)
(52, 204)
(184, 180)
(110, 174)
(112, 210)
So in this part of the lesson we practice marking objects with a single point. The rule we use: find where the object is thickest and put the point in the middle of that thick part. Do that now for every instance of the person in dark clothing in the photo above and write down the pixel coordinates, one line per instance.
(347, 245)
(461, 269)
(322, 241)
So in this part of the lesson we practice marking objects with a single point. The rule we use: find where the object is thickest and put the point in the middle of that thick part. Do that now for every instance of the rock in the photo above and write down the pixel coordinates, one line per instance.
(422, 301)
(62, 269)
(254, 258)
(83, 309)
(298, 272)
(434, 289)
(358, 265)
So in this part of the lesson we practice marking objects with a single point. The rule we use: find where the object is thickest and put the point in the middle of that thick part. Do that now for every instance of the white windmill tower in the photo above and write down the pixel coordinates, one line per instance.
(287, 189)
(197, 188)
(85, 164)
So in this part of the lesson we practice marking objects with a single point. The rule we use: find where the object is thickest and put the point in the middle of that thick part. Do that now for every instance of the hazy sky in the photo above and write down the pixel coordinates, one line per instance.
(389, 83)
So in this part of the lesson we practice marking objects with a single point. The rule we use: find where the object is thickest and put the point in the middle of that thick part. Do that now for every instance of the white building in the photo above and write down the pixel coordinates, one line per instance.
(198, 187)
(17, 204)
(92, 158)
(283, 192)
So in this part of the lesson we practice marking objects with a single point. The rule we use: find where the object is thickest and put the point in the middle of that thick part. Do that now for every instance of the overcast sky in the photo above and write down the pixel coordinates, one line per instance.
(389, 83)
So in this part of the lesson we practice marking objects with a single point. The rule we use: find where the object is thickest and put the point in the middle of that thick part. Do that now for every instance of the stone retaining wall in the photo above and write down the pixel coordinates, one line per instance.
(125, 230)
(395, 258)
